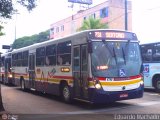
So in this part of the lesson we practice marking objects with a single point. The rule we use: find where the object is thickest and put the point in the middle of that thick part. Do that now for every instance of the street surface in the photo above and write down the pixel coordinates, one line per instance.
(37, 106)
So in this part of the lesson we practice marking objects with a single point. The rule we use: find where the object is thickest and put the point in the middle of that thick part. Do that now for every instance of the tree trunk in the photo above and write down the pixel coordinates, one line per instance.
(1, 103)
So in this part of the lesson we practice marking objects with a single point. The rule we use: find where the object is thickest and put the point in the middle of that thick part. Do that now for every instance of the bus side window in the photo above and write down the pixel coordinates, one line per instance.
(156, 52)
(40, 56)
(47, 61)
(51, 54)
(64, 53)
(59, 60)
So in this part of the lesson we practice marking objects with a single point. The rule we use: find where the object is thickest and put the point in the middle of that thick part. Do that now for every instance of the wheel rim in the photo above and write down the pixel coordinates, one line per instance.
(66, 93)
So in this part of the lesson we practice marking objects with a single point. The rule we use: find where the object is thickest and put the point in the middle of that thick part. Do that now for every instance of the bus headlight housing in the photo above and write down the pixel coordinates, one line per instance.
(97, 84)
(141, 83)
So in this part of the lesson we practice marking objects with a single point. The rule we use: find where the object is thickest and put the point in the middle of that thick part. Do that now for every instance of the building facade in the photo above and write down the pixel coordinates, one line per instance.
(111, 12)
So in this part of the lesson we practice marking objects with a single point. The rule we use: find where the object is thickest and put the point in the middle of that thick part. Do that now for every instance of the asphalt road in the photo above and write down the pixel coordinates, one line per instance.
(37, 106)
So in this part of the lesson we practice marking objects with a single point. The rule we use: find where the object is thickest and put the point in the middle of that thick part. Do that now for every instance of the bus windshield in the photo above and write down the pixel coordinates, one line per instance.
(115, 59)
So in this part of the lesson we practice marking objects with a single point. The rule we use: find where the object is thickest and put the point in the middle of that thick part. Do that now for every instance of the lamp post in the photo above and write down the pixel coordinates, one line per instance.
(126, 15)
(15, 27)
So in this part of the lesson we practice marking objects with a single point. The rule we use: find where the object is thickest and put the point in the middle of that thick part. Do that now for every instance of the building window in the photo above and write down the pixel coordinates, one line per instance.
(62, 28)
(57, 29)
(52, 30)
(104, 12)
(93, 15)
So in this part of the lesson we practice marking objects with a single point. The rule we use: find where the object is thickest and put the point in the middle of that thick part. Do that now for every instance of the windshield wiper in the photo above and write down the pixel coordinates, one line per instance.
(124, 56)
(106, 45)
(114, 54)
(126, 46)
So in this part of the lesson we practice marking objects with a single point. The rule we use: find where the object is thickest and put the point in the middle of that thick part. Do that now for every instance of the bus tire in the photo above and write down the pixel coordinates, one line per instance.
(66, 94)
(157, 84)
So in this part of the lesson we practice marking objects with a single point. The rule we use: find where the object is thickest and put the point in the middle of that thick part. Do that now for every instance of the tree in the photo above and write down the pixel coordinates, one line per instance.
(7, 9)
(1, 33)
(29, 40)
(92, 23)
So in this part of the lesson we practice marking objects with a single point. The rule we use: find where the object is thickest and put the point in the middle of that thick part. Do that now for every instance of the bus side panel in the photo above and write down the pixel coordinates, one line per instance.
(50, 88)
(17, 81)
(150, 69)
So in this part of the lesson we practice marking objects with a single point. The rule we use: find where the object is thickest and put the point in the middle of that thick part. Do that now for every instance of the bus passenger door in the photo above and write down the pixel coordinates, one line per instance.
(32, 70)
(80, 71)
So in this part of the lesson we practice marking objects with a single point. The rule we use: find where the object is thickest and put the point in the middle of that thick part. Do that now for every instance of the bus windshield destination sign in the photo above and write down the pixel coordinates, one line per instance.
(116, 35)
(109, 35)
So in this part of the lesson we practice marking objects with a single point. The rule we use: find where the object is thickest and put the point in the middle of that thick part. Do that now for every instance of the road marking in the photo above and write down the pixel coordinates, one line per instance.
(154, 94)
(149, 103)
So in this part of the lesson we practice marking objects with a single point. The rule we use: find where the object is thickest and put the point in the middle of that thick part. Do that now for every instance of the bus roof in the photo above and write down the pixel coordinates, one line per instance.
(150, 43)
(77, 35)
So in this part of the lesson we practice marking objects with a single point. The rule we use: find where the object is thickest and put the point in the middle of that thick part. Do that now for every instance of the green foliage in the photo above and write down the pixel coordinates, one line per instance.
(7, 8)
(1, 33)
(29, 4)
(29, 40)
(92, 23)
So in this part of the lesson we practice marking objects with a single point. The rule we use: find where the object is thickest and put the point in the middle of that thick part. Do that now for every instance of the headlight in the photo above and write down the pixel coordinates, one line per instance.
(98, 86)
(10, 75)
(141, 83)
(97, 83)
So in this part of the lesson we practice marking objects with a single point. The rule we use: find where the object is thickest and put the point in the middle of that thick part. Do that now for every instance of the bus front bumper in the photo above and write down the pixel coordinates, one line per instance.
(100, 96)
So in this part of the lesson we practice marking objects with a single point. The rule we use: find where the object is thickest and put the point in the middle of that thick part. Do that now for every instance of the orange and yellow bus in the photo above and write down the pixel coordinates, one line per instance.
(95, 66)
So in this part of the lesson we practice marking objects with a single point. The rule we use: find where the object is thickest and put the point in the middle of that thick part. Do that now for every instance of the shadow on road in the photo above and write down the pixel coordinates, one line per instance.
(150, 90)
(79, 104)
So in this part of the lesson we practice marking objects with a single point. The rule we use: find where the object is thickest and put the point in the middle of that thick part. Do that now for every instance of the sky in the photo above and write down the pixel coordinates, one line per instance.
(145, 19)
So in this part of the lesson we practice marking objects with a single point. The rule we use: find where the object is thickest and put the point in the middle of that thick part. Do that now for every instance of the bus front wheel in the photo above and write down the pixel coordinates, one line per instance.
(157, 84)
(66, 93)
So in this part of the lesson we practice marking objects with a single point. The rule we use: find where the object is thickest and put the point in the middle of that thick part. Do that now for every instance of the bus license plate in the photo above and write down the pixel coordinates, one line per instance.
(123, 95)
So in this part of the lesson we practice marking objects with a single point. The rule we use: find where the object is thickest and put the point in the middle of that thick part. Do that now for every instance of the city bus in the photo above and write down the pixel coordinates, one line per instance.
(151, 65)
(93, 66)
(5, 69)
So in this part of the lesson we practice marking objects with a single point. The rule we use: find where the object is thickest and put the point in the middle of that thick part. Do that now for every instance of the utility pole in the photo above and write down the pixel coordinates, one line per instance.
(126, 15)
(16, 13)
